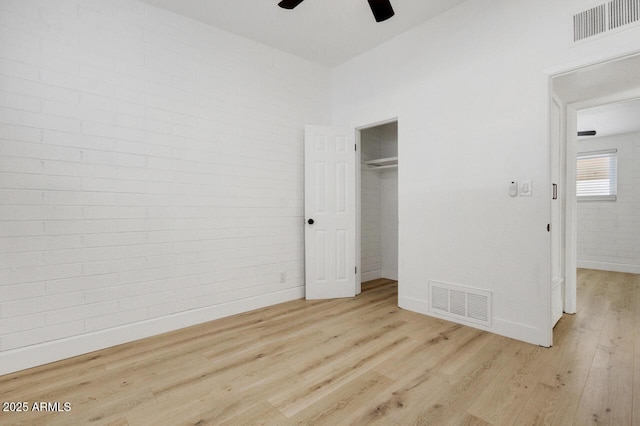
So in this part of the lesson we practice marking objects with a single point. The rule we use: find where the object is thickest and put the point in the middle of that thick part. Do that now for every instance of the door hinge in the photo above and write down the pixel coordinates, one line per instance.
(548, 227)
(355, 147)
(356, 270)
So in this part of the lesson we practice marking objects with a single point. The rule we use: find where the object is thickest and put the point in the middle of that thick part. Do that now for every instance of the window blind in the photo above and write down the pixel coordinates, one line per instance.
(597, 175)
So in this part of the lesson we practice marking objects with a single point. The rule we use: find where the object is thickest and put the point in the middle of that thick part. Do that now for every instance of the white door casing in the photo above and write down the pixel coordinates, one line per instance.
(330, 206)
(557, 271)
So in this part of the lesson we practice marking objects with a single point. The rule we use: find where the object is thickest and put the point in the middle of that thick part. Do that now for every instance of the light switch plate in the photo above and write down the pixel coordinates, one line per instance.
(526, 188)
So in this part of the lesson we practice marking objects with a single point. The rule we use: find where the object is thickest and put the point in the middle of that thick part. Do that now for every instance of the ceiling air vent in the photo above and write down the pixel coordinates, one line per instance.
(605, 17)
(465, 304)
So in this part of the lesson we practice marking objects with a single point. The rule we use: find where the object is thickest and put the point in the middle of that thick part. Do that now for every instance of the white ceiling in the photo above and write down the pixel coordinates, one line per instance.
(328, 32)
(611, 119)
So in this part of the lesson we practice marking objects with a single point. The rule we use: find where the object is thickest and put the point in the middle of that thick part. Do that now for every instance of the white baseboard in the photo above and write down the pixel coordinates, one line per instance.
(412, 304)
(371, 275)
(35, 355)
(522, 332)
(607, 266)
(515, 330)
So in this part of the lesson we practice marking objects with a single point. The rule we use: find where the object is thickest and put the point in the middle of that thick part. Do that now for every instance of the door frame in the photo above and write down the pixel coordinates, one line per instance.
(557, 155)
(358, 130)
(567, 168)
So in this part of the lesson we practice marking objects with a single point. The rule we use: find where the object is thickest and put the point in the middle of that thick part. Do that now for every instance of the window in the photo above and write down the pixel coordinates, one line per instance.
(597, 175)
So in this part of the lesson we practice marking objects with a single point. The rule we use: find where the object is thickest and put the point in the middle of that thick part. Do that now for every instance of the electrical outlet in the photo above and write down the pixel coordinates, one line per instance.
(283, 276)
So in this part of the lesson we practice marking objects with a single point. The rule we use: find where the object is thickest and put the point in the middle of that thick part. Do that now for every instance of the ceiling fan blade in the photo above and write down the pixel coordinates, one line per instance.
(289, 4)
(587, 133)
(381, 9)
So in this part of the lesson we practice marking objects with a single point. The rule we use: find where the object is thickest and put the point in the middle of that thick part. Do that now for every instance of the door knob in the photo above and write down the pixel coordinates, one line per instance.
(310, 221)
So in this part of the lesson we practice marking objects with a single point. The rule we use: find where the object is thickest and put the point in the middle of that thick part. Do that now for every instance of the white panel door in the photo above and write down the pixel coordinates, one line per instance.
(330, 212)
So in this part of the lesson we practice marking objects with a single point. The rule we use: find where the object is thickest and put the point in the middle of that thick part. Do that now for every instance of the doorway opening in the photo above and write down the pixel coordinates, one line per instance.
(377, 205)
(608, 199)
(572, 91)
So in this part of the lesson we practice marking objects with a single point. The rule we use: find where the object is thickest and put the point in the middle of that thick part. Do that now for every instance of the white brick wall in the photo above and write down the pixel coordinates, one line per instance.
(149, 166)
(609, 232)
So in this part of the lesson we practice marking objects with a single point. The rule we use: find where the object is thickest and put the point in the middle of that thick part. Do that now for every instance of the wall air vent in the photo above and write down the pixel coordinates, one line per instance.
(623, 12)
(605, 17)
(589, 23)
(465, 304)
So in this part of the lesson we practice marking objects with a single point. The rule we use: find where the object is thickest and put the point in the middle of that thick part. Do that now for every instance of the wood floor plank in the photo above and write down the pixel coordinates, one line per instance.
(380, 282)
(548, 405)
(567, 364)
(608, 393)
(320, 380)
(502, 401)
(119, 422)
(593, 300)
(429, 351)
(217, 402)
(405, 397)
(214, 334)
(469, 380)
(607, 397)
(356, 361)
(338, 405)
(466, 351)
(343, 343)
(47, 378)
(471, 420)
(257, 415)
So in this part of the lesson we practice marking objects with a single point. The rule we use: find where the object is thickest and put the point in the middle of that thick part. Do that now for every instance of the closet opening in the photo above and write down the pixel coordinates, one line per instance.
(377, 205)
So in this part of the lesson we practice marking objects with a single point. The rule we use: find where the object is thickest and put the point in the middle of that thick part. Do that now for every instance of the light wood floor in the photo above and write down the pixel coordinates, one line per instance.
(356, 361)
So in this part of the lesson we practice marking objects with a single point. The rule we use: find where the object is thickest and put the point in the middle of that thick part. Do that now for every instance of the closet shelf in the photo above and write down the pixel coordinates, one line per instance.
(382, 163)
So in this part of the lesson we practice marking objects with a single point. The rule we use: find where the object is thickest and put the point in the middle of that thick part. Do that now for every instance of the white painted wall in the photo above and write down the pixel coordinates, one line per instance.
(470, 89)
(609, 232)
(151, 174)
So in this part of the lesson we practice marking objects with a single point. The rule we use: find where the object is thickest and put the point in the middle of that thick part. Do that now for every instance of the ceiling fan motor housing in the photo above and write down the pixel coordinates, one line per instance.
(381, 9)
